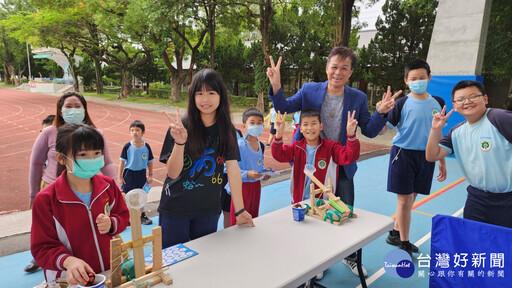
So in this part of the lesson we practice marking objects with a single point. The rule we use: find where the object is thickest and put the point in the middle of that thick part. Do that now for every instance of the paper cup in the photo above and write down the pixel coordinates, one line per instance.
(298, 212)
(99, 282)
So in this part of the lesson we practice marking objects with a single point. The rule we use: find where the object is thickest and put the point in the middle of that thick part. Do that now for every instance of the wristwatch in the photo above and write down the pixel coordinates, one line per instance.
(240, 212)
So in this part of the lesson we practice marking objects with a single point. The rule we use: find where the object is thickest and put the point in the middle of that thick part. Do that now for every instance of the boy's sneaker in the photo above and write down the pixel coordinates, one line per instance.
(406, 248)
(353, 267)
(31, 267)
(395, 241)
(145, 220)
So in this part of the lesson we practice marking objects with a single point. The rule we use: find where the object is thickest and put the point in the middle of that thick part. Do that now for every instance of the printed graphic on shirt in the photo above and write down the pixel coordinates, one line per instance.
(485, 145)
(322, 164)
(434, 112)
(144, 156)
(187, 162)
(260, 160)
(204, 162)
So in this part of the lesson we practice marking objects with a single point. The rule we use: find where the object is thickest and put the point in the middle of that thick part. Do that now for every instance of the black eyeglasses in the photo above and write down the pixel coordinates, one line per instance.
(463, 99)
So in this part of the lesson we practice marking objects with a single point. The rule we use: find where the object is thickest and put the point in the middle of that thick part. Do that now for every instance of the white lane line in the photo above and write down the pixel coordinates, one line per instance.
(418, 243)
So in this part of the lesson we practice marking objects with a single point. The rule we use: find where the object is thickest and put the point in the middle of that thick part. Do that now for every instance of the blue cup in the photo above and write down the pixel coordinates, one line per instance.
(299, 212)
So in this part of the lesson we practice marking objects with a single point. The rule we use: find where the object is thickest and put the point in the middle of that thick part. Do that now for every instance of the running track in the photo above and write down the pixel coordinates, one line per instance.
(21, 117)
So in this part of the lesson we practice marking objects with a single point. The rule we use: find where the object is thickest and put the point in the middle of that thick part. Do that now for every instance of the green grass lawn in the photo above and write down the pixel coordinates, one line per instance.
(235, 108)
(2, 84)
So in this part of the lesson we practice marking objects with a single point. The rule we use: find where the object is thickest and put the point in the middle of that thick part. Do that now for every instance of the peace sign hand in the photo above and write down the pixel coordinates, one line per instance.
(274, 75)
(351, 123)
(388, 101)
(439, 119)
(178, 131)
(280, 121)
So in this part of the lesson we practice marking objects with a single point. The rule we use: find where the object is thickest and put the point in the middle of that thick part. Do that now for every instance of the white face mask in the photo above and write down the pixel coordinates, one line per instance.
(73, 115)
(255, 130)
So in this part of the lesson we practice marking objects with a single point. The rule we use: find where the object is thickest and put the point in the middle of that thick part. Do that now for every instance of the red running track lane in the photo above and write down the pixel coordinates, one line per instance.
(22, 113)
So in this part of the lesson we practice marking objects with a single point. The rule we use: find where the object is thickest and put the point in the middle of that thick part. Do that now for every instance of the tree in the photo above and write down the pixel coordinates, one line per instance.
(497, 60)
(13, 52)
(176, 31)
(402, 36)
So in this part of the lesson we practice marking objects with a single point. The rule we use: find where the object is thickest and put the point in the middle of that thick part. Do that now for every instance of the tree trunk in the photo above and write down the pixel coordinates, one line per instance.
(235, 88)
(7, 79)
(126, 83)
(177, 82)
(346, 18)
(12, 72)
(99, 76)
(20, 72)
(76, 85)
(264, 27)
(211, 28)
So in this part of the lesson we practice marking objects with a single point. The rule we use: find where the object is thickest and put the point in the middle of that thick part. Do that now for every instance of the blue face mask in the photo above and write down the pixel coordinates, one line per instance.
(419, 86)
(73, 115)
(86, 168)
(255, 130)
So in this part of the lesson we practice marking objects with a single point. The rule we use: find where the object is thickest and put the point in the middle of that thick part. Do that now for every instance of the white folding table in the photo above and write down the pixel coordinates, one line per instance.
(278, 252)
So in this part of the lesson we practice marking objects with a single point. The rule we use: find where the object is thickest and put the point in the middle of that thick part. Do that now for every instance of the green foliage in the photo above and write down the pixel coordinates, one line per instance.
(498, 60)
(159, 85)
(402, 36)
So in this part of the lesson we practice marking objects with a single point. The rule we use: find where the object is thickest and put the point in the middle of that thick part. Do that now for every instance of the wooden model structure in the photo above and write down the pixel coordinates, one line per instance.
(144, 276)
(322, 211)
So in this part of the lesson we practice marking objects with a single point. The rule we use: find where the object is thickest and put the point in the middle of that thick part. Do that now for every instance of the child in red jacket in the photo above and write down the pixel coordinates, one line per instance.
(324, 154)
(74, 219)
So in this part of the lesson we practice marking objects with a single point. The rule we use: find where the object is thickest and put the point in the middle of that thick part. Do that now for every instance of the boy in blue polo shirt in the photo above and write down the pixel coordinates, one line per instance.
(251, 162)
(483, 147)
(136, 158)
(409, 173)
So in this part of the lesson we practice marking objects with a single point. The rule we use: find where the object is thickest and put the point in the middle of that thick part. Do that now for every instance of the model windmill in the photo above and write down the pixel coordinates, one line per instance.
(144, 276)
(321, 209)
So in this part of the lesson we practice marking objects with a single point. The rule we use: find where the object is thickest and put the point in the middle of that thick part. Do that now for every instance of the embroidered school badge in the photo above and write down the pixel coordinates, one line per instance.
(322, 164)
(260, 161)
(144, 156)
(434, 112)
(106, 210)
(485, 145)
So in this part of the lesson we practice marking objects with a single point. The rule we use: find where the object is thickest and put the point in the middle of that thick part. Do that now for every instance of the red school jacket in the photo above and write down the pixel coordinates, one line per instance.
(63, 226)
(327, 155)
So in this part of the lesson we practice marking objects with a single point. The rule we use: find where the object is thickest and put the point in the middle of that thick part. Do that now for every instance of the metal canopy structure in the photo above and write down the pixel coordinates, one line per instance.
(57, 56)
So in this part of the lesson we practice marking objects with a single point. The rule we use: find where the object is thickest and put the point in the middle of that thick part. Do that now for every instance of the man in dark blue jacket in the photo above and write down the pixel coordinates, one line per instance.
(334, 99)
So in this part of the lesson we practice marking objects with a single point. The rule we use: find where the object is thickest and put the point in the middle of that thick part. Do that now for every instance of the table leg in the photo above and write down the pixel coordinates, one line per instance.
(359, 267)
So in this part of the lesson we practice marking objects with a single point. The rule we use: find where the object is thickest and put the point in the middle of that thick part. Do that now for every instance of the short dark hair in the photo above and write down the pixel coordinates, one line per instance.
(48, 120)
(310, 112)
(468, 83)
(343, 52)
(416, 64)
(139, 124)
(251, 112)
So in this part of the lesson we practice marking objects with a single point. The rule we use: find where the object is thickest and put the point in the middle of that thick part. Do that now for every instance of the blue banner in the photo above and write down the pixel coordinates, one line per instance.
(466, 253)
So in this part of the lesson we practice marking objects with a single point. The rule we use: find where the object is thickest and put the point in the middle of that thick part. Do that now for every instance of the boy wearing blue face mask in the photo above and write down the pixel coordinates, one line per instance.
(409, 173)
(251, 162)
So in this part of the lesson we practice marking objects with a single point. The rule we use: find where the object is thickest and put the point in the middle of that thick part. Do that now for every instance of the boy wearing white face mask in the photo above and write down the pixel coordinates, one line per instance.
(409, 173)
(251, 162)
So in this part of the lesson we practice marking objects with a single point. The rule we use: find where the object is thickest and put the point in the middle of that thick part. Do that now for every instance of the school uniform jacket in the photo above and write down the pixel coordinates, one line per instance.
(63, 226)
(328, 156)
(312, 95)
